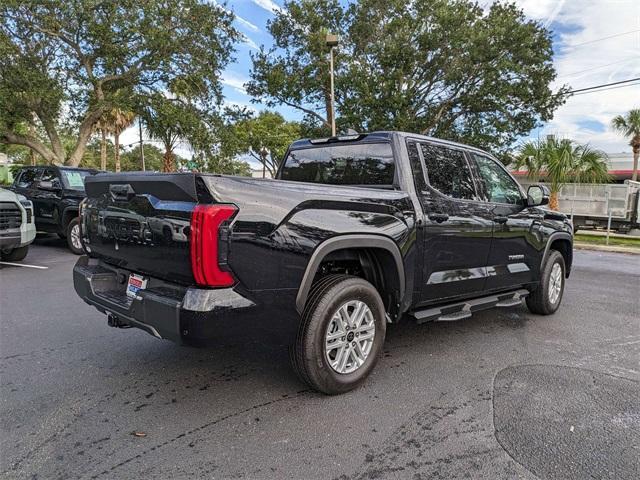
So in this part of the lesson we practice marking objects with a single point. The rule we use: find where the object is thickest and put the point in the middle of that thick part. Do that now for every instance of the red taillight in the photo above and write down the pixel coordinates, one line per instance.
(205, 223)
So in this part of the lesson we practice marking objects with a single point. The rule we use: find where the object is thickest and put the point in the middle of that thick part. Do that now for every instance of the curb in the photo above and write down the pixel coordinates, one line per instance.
(607, 248)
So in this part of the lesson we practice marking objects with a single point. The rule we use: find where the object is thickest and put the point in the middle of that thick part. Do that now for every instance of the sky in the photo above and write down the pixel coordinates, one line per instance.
(595, 42)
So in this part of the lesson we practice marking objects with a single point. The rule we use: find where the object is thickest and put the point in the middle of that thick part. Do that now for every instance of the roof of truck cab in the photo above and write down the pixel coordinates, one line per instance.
(383, 135)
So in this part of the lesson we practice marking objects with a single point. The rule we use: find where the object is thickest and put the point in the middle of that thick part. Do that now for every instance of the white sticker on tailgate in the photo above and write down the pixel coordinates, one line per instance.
(136, 282)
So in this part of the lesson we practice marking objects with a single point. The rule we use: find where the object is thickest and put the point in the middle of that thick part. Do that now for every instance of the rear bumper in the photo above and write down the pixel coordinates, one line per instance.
(183, 315)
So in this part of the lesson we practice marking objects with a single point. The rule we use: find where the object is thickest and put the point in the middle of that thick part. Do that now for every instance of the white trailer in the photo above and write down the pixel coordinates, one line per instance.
(592, 205)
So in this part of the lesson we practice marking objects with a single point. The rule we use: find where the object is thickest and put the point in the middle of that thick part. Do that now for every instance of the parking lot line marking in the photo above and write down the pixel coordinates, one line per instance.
(24, 265)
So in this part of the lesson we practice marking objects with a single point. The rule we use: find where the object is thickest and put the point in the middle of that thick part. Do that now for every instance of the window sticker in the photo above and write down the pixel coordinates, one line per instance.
(75, 179)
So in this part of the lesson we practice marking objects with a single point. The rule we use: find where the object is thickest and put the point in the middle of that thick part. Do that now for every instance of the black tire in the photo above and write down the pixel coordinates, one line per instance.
(308, 355)
(77, 249)
(15, 255)
(539, 301)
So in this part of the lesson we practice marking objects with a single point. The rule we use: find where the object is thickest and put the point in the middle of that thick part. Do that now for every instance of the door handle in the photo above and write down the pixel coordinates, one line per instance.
(500, 219)
(438, 217)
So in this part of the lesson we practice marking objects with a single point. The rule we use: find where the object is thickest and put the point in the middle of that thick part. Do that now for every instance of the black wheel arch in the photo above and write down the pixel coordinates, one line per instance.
(563, 243)
(380, 260)
(68, 214)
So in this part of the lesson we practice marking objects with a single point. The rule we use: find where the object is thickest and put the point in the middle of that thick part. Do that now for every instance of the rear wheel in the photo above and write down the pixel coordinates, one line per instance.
(15, 255)
(546, 299)
(341, 334)
(73, 237)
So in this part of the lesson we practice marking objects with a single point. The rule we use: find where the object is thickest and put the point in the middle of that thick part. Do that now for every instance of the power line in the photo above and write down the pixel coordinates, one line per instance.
(603, 38)
(605, 89)
(586, 89)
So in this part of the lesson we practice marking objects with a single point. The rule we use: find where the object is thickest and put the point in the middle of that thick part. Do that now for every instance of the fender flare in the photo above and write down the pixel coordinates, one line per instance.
(552, 238)
(69, 209)
(345, 242)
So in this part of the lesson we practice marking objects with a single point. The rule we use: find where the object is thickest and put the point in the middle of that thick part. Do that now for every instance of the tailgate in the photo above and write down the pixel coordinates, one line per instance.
(141, 222)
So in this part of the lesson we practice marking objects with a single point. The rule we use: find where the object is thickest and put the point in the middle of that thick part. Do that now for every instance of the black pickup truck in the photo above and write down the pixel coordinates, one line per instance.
(56, 193)
(354, 233)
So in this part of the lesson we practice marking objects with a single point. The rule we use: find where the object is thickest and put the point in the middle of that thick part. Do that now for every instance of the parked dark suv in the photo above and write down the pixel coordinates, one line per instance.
(355, 232)
(56, 193)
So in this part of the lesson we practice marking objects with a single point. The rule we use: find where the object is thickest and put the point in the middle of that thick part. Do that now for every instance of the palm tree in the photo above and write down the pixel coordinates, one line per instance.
(529, 158)
(629, 126)
(121, 120)
(160, 127)
(104, 125)
(563, 161)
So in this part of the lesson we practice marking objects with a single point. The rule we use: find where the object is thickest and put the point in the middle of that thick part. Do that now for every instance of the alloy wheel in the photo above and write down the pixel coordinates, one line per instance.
(349, 337)
(555, 283)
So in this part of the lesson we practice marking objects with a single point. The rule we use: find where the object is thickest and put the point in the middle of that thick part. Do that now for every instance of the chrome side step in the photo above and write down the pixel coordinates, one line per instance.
(460, 310)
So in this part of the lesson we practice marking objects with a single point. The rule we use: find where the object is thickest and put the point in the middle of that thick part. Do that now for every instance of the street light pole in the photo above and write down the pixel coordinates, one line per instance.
(332, 42)
(333, 104)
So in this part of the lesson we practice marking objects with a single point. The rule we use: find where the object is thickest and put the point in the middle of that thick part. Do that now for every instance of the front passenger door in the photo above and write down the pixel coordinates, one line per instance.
(513, 257)
(46, 199)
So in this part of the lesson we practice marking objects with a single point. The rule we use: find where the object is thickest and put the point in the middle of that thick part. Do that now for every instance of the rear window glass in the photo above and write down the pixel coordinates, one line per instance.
(362, 164)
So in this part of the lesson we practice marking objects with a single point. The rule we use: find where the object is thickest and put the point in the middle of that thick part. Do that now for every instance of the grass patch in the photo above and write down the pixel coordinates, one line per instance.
(598, 240)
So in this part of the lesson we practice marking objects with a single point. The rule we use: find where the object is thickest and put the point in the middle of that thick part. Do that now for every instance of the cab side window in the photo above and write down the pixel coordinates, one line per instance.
(27, 178)
(497, 185)
(448, 171)
(416, 166)
(50, 175)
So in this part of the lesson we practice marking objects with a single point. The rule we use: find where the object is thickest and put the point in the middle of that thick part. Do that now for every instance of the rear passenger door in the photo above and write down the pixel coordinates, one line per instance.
(456, 235)
(512, 256)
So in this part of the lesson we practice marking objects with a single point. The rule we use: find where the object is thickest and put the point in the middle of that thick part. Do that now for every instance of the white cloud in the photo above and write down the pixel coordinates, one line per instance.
(248, 106)
(541, 10)
(269, 5)
(250, 43)
(235, 81)
(585, 58)
(247, 24)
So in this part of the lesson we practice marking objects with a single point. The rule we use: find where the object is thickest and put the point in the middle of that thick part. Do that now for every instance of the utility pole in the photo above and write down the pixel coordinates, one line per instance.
(332, 42)
(141, 144)
(263, 155)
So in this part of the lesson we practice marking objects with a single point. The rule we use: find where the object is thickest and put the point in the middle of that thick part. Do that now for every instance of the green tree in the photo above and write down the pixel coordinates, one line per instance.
(629, 126)
(530, 157)
(171, 122)
(563, 161)
(129, 158)
(153, 158)
(221, 164)
(441, 67)
(92, 157)
(266, 138)
(118, 121)
(70, 62)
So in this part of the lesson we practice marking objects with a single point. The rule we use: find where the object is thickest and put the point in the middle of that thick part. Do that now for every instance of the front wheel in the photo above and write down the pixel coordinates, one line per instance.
(546, 299)
(341, 334)
(15, 255)
(73, 237)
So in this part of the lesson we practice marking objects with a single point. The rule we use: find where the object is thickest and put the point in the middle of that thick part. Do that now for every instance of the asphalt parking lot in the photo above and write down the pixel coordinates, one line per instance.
(505, 394)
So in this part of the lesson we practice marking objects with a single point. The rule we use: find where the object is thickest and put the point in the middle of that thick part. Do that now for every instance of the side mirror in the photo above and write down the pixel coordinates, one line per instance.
(537, 195)
(47, 185)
